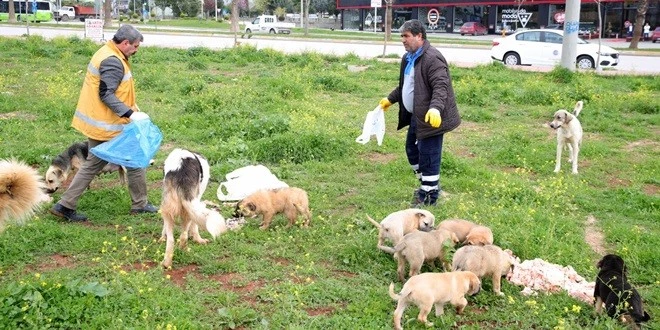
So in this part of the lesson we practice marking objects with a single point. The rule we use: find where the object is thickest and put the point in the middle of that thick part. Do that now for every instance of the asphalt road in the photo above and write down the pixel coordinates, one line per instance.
(462, 55)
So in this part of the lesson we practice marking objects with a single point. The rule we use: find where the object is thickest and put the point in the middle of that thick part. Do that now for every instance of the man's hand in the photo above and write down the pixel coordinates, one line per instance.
(138, 115)
(385, 103)
(433, 117)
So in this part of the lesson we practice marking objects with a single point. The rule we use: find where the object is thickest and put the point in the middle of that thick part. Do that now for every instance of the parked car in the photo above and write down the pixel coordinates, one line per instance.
(473, 28)
(543, 47)
(655, 35)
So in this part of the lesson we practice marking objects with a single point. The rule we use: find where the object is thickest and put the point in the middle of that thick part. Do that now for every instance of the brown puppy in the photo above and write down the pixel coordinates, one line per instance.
(400, 223)
(419, 246)
(479, 235)
(468, 233)
(21, 191)
(434, 289)
(290, 201)
(488, 260)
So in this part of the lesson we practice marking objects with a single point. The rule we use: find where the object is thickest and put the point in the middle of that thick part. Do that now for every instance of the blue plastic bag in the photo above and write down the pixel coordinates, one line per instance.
(134, 147)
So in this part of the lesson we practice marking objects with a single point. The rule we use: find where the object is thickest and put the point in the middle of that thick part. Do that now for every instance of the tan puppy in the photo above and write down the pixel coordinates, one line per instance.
(488, 260)
(419, 246)
(468, 232)
(434, 289)
(399, 223)
(479, 235)
(290, 201)
(21, 191)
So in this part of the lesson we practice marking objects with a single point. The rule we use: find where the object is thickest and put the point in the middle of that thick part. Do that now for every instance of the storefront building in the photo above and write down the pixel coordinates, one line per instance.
(496, 15)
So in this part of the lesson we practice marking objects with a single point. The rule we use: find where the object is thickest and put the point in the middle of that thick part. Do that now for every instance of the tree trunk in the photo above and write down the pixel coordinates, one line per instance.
(642, 6)
(107, 14)
(12, 13)
(306, 16)
(234, 17)
(388, 20)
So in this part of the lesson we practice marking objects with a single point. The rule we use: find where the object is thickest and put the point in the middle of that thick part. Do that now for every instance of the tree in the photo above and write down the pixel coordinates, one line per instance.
(107, 14)
(12, 13)
(642, 7)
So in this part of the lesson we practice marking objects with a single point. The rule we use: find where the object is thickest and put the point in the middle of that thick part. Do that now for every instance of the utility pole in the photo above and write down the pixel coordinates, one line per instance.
(571, 27)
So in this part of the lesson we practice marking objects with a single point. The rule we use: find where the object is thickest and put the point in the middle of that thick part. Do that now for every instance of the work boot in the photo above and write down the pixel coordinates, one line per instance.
(149, 208)
(419, 198)
(64, 212)
(432, 197)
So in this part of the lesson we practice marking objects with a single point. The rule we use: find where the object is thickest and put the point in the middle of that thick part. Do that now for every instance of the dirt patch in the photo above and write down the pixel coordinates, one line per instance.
(594, 236)
(139, 266)
(632, 146)
(17, 115)
(617, 182)
(342, 273)
(376, 157)
(651, 189)
(232, 282)
(179, 275)
(320, 311)
(55, 261)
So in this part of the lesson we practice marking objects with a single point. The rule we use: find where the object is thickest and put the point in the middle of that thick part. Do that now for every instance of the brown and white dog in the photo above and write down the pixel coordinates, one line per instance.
(399, 223)
(434, 289)
(186, 177)
(71, 160)
(21, 191)
(569, 133)
(268, 202)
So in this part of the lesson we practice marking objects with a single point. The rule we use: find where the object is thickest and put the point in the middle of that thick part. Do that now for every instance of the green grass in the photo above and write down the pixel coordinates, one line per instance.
(299, 115)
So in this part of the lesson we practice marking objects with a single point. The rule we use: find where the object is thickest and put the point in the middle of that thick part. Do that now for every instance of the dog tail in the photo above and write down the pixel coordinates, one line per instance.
(578, 108)
(393, 294)
(374, 222)
(21, 191)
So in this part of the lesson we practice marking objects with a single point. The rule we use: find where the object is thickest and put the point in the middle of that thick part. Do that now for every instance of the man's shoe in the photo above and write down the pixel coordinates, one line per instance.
(67, 213)
(149, 208)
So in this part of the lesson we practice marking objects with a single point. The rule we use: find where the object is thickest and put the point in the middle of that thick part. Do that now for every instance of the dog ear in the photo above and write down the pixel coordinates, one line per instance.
(568, 118)
(251, 207)
(58, 172)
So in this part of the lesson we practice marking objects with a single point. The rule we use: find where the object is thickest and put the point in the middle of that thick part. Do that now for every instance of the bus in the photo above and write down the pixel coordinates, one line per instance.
(44, 12)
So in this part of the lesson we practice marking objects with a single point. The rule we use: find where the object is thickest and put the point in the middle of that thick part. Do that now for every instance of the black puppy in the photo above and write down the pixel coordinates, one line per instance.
(612, 288)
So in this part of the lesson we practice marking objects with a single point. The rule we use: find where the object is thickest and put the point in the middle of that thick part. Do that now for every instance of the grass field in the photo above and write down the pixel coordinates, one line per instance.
(299, 115)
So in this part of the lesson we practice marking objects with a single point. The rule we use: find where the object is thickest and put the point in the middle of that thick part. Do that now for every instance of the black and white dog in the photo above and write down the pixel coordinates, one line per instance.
(186, 178)
(613, 289)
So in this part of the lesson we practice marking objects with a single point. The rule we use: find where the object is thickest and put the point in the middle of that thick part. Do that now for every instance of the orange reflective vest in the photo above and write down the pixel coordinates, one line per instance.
(93, 118)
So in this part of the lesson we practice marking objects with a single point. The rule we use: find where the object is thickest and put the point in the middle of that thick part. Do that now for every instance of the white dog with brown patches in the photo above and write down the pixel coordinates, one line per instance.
(186, 177)
(569, 133)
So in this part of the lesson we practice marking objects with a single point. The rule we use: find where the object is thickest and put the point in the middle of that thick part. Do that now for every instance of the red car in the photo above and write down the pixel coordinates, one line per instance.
(655, 35)
(473, 28)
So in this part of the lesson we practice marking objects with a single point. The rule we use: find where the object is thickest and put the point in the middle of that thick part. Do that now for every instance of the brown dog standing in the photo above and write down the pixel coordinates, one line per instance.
(434, 289)
(468, 233)
(488, 260)
(267, 203)
(419, 246)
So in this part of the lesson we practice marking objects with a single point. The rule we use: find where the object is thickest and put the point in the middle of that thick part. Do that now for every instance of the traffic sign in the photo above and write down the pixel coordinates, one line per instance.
(376, 3)
(433, 16)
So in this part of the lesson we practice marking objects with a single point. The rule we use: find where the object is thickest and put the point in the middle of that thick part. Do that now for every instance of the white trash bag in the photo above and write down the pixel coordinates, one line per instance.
(374, 124)
(244, 181)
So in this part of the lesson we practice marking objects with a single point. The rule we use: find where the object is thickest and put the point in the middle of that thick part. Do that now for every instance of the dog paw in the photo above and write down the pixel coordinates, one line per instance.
(202, 241)
(556, 170)
(263, 227)
(429, 324)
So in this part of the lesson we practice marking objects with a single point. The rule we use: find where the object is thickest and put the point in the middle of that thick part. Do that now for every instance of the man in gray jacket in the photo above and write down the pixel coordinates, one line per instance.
(426, 105)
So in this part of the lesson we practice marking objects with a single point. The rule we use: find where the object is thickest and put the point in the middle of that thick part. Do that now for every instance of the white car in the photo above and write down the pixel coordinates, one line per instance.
(543, 47)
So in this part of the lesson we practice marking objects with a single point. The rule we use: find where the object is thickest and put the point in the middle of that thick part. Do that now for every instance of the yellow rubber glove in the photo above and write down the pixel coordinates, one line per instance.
(433, 117)
(385, 103)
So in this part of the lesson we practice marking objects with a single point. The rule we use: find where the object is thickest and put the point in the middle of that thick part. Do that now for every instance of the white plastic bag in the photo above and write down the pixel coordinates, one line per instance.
(374, 124)
(244, 181)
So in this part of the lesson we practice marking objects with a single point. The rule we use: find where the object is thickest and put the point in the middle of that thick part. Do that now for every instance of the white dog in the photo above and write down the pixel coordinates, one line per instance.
(569, 133)
(186, 177)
